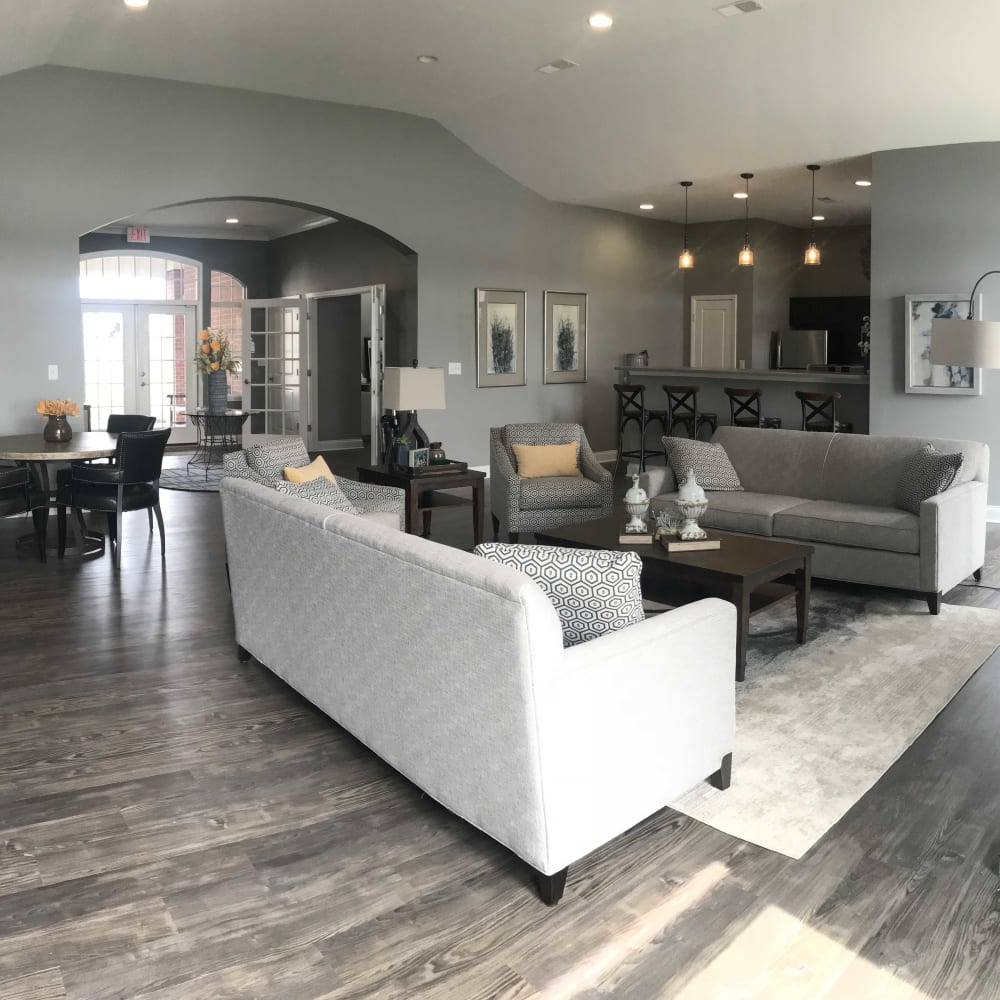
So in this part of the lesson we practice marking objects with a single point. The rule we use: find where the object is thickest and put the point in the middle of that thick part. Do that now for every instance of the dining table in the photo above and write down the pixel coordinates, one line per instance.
(33, 452)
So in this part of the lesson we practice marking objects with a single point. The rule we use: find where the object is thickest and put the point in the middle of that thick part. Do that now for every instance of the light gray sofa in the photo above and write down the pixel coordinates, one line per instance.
(835, 492)
(550, 751)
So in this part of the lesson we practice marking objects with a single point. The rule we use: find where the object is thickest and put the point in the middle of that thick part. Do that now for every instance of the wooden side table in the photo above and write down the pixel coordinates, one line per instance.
(423, 494)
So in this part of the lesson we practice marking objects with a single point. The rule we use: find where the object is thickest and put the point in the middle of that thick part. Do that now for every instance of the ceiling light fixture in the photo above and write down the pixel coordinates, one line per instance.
(427, 60)
(137, 4)
(232, 221)
(863, 184)
(686, 259)
(819, 218)
(646, 207)
(740, 194)
(600, 21)
(812, 257)
(745, 258)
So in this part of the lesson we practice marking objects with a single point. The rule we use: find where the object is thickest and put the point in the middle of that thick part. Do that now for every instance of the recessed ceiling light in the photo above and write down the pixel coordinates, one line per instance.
(646, 207)
(232, 220)
(427, 59)
(819, 218)
(556, 66)
(601, 21)
(740, 194)
(137, 4)
(863, 184)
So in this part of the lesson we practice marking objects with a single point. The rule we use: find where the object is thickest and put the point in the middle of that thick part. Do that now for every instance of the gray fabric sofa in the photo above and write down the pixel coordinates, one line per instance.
(550, 751)
(835, 492)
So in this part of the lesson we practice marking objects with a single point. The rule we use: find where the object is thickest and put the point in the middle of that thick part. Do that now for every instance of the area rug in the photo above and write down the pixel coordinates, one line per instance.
(181, 479)
(817, 725)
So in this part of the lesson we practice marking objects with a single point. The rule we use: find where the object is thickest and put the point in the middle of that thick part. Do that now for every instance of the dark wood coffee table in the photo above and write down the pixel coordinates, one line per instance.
(752, 571)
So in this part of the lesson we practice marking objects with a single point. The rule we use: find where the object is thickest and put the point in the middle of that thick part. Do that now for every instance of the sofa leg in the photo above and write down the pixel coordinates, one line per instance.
(243, 655)
(934, 603)
(978, 575)
(550, 887)
(496, 527)
(724, 776)
(513, 536)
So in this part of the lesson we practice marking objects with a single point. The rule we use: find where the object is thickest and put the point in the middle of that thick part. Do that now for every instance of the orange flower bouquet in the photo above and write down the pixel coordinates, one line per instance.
(58, 408)
(215, 353)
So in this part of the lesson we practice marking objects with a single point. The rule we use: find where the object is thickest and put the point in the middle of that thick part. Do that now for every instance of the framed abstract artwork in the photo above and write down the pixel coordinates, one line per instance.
(565, 337)
(921, 376)
(499, 337)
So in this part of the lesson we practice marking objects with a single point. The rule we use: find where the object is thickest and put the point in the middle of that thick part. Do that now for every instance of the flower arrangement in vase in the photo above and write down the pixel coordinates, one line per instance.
(57, 427)
(214, 359)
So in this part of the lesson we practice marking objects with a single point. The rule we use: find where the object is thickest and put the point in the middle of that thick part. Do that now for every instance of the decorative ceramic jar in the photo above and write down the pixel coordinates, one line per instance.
(216, 392)
(691, 504)
(636, 506)
(436, 455)
(57, 429)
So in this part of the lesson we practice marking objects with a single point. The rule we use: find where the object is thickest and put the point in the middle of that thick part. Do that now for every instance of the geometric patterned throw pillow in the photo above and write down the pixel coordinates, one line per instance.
(927, 473)
(593, 591)
(710, 463)
(269, 458)
(320, 491)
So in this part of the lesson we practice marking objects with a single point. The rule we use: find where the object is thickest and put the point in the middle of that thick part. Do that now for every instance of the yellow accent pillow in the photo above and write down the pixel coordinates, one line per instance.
(534, 460)
(307, 473)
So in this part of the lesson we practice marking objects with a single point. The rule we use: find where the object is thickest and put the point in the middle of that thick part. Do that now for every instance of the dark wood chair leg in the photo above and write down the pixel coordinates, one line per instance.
(550, 887)
(41, 518)
(724, 776)
(513, 536)
(159, 521)
(496, 527)
(934, 603)
(243, 655)
(61, 520)
(978, 575)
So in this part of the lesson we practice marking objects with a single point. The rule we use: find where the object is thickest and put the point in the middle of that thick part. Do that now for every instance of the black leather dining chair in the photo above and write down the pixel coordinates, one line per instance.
(132, 483)
(17, 497)
(119, 422)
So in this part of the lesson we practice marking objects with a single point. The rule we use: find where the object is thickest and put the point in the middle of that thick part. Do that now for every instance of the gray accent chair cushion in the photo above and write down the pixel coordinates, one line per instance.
(554, 492)
(852, 524)
(320, 491)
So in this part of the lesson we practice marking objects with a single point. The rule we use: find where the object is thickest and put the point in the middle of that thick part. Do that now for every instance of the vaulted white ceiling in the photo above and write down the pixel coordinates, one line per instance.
(672, 91)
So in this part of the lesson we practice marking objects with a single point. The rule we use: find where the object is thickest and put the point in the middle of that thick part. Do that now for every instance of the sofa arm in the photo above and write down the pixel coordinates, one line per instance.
(505, 484)
(369, 498)
(632, 720)
(952, 536)
(657, 481)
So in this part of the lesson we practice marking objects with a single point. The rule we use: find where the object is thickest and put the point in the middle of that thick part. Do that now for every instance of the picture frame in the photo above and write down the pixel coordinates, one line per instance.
(920, 376)
(565, 337)
(419, 458)
(500, 355)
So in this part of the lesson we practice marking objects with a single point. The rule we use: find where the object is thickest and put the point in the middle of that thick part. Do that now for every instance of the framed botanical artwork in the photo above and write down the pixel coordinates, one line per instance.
(921, 375)
(499, 337)
(565, 336)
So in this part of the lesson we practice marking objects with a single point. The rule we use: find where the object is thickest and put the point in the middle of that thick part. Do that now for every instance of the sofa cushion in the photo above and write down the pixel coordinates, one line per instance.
(593, 591)
(926, 474)
(268, 458)
(710, 463)
(749, 513)
(537, 460)
(321, 491)
(558, 492)
(856, 525)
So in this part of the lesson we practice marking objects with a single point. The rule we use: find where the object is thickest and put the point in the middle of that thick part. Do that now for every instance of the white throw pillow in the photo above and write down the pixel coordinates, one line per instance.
(593, 591)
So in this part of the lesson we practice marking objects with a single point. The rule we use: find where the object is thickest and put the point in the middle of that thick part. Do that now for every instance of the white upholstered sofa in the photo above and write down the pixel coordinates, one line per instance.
(550, 751)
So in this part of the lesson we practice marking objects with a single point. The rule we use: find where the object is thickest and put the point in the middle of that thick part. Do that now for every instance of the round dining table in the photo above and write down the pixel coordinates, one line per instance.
(33, 452)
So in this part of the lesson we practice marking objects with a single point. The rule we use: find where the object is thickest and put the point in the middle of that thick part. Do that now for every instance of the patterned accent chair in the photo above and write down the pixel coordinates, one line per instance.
(527, 504)
(263, 462)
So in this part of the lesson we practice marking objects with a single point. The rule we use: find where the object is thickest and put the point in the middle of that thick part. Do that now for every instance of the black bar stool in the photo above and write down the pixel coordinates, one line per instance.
(682, 403)
(632, 408)
(744, 407)
(819, 412)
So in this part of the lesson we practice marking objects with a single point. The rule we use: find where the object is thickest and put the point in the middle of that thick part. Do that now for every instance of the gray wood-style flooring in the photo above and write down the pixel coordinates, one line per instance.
(177, 825)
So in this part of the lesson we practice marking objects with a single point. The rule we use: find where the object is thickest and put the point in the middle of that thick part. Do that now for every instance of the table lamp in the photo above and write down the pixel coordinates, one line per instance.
(407, 390)
(969, 342)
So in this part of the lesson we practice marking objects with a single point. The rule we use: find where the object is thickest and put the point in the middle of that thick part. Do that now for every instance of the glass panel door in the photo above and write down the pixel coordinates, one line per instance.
(273, 342)
(109, 361)
(165, 373)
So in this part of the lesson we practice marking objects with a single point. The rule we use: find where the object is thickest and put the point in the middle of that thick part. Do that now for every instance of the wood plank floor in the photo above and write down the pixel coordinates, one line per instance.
(176, 825)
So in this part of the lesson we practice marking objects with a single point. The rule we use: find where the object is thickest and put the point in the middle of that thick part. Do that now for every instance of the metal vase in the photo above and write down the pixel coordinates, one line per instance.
(216, 391)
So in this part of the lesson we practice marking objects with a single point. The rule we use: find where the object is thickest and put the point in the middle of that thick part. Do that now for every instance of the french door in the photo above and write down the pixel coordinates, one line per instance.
(140, 359)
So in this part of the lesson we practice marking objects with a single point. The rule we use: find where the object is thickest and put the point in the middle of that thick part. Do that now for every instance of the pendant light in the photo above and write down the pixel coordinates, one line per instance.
(686, 259)
(812, 256)
(746, 254)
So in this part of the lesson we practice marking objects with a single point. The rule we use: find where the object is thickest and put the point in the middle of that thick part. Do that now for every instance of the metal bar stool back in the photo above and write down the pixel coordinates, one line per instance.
(744, 407)
(682, 406)
(632, 409)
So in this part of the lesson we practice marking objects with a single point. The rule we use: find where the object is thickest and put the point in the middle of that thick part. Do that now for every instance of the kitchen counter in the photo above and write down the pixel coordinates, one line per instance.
(795, 375)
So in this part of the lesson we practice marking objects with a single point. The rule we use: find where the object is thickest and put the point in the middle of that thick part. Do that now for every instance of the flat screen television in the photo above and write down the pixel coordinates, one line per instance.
(839, 315)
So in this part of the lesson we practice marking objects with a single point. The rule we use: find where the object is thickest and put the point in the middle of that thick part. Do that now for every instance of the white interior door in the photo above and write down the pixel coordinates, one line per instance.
(165, 372)
(275, 362)
(713, 331)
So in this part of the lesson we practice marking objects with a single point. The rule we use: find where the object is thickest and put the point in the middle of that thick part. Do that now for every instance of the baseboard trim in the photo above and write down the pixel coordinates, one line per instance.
(993, 515)
(340, 444)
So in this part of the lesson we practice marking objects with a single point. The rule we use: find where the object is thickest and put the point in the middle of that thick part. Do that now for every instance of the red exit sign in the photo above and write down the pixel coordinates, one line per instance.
(137, 234)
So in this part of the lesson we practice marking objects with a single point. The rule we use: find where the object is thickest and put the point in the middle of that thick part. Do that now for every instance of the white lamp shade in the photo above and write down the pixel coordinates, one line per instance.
(413, 389)
(969, 343)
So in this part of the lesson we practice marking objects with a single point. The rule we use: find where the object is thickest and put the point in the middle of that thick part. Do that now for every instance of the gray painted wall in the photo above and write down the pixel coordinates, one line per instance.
(935, 229)
(66, 171)
(842, 271)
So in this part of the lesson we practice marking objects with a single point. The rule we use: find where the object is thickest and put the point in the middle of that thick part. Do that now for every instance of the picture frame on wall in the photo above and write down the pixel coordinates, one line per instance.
(500, 357)
(565, 337)
(920, 375)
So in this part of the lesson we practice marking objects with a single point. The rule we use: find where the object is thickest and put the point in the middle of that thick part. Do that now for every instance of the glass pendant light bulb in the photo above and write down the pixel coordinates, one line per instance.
(686, 260)
(745, 258)
(812, 255)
